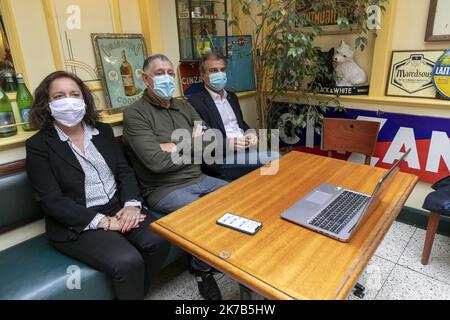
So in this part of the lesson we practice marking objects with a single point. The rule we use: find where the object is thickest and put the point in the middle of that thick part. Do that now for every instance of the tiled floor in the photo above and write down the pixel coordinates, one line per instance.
(394, 272)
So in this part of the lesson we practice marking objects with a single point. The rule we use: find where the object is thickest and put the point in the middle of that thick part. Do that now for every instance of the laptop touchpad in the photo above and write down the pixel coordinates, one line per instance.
(319, 197)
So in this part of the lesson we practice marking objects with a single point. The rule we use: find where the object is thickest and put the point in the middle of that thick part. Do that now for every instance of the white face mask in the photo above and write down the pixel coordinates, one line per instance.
(69, 111)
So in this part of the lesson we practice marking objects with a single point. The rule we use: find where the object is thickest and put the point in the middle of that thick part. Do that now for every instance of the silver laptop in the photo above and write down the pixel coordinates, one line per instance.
(335, 211)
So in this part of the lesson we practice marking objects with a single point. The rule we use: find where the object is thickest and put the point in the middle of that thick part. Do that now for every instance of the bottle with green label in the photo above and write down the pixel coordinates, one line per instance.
(24, 101)
(10, 85)
(6, 116)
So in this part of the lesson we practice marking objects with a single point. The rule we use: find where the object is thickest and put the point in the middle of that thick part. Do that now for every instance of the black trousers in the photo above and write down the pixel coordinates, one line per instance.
(132, 259)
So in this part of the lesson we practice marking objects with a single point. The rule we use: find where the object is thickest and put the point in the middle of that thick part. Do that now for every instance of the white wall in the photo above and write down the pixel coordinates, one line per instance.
(34, 39)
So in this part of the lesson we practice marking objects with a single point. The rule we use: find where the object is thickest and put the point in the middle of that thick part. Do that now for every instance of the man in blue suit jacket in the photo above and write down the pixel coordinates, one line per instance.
(220, 109)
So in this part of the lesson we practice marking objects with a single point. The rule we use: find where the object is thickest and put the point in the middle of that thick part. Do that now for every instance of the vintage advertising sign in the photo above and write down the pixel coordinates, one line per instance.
(411, 74)
(240, 70)
(441, 75)
(120, 58)
(189, 75)
(428, 138)
(328, 18)
(343, 91)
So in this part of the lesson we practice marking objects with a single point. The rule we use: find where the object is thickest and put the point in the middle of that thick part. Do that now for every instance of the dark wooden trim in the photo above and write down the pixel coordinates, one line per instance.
(419, 218)
(430, 24)
(12, 167)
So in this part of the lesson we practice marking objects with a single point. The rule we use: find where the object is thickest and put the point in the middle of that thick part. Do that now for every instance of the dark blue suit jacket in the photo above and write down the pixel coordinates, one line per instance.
(207, 109)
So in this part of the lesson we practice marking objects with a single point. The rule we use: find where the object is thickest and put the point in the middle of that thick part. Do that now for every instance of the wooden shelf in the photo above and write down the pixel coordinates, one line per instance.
(17, 140)
(11, 96)
(386, 100)
(112, 119)
(245, 94)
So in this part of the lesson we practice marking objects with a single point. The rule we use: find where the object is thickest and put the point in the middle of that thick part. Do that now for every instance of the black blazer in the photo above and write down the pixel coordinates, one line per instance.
(207, 109)
(58, 180)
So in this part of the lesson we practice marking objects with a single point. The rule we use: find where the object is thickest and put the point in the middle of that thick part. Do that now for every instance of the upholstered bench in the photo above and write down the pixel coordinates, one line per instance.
(34, 269)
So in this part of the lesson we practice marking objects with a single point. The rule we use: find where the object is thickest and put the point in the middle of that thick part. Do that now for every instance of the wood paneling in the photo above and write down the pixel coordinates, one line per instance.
(11, 168)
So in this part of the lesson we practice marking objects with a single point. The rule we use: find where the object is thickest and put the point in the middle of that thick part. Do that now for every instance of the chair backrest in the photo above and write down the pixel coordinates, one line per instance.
(350, 135)
(17, 203)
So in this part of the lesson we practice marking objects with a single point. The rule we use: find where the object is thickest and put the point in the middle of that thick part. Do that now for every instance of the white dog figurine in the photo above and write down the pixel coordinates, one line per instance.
(348, 73)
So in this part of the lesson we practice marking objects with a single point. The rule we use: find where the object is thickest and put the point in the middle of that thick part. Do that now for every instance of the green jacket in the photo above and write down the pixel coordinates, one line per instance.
(147, 124)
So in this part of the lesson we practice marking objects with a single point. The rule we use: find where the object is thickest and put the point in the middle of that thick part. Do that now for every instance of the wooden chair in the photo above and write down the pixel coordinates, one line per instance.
(433, 223)
(350, 135)
(437, 202)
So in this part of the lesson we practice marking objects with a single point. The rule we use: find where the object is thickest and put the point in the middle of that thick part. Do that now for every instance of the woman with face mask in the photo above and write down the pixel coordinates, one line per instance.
(92, 204)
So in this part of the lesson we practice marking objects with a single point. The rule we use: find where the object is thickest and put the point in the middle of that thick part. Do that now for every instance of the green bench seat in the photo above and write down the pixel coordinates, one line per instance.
(34, 269)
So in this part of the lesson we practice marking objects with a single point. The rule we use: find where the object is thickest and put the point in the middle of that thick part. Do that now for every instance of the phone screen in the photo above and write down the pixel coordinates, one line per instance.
(240, 223)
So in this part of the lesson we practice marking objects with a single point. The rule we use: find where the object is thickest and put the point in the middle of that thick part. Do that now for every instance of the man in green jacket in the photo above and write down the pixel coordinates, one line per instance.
(167, 184)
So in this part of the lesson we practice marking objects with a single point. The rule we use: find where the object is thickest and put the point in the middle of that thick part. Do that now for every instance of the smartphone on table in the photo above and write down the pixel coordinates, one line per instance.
(239, 223)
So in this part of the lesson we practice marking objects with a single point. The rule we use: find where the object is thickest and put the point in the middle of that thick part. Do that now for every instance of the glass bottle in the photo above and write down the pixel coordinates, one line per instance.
(10, 85)
(126, 71)
(24, 101)
(6, 116)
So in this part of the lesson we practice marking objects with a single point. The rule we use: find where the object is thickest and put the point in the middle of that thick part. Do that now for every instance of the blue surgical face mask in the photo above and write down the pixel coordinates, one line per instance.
(164, 86)
(218, 80)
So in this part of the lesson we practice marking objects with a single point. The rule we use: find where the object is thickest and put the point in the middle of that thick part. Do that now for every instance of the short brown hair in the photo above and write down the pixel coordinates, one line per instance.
(40, 116)
(211, 56)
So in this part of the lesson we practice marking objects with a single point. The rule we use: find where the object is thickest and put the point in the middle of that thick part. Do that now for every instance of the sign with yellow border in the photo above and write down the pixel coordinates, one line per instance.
(441, 75)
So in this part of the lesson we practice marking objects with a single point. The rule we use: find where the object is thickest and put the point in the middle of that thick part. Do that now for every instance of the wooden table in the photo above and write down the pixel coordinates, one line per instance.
(284, 260)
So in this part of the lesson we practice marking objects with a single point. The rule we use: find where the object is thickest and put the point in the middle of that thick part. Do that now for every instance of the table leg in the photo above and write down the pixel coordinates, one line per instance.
(247, 294)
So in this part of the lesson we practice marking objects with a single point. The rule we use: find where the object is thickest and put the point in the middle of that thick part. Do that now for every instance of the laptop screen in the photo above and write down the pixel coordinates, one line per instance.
(388, 173)
(381, 185)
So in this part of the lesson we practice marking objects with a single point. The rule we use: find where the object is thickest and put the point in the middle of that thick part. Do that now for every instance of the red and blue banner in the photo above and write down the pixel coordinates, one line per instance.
(428, 138)
(189, 75)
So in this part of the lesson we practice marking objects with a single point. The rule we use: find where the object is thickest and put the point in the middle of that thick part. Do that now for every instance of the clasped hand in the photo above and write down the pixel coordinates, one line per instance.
(126, 219)
(243, 143)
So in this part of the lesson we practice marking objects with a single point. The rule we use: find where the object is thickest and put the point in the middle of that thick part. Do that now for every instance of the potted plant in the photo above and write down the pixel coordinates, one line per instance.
(285, 56)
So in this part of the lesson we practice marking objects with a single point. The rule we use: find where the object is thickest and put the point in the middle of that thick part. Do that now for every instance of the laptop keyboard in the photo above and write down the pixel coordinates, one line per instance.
(339, 212)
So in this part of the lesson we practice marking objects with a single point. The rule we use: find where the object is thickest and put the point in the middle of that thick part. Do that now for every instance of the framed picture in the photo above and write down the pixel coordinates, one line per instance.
(120, 58)
(411, 72)
(438, 25)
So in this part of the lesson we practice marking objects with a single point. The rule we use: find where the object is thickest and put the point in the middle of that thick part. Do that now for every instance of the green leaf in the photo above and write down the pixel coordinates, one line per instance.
(246, 10)
(343, 23)
(232, 23)
(361, 42)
